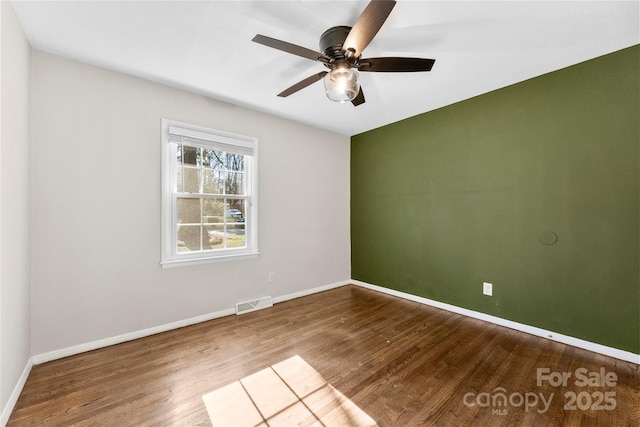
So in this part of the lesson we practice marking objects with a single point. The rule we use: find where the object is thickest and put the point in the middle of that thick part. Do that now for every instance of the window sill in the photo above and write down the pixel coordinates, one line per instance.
(208, 260)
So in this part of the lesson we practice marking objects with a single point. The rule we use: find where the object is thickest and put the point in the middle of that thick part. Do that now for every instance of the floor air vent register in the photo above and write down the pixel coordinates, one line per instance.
(253, 305)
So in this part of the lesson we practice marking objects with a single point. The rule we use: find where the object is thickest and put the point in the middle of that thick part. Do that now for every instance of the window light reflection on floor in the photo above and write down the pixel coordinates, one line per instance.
(289, 393)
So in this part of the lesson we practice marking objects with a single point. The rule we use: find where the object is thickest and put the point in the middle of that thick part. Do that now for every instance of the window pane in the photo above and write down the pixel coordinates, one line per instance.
(207, 241)
(206, 158)
(190, 180)
(235, 183)
(188, 238)
(216, 159)
(188, 211)
(177, 154)
(179, 179)
(213, 211)
(235, 162)
(235, 211)
(190, 155)
(236, 236)
(215, 235)
(213, 182)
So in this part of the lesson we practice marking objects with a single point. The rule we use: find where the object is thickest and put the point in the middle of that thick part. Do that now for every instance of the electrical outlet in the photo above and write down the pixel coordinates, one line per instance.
(487, 288)
(272, 277)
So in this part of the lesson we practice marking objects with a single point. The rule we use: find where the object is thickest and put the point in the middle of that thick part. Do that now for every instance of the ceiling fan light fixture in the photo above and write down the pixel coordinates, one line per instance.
(341, 84)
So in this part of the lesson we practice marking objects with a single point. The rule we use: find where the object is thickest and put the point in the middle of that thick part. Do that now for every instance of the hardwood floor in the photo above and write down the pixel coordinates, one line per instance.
(400, 362)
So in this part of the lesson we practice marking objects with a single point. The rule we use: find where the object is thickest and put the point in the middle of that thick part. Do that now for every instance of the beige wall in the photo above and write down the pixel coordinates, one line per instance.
(14, 206)
(96, 207)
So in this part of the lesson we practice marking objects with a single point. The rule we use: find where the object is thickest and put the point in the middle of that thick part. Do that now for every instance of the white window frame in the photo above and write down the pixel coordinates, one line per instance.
(209, 138)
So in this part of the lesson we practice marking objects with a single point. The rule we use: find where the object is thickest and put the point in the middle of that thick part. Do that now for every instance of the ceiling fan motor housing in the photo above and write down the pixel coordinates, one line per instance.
(331, 42)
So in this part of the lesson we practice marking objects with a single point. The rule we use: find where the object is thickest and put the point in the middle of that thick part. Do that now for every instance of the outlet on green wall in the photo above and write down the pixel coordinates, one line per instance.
(534, 188)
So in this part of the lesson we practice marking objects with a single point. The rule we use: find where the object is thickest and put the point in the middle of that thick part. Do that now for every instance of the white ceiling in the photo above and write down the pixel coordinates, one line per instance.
(205, 47)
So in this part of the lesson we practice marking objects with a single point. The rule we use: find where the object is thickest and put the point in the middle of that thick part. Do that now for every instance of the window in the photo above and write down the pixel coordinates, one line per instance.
(209, 194)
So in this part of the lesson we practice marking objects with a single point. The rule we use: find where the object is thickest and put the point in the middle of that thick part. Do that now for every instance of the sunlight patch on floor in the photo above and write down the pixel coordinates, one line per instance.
(289, 393)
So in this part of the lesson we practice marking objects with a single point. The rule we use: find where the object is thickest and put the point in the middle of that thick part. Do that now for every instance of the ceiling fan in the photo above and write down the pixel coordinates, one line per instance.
(342, 54)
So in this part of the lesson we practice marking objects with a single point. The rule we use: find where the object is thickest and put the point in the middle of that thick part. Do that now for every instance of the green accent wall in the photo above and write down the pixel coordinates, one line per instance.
(479, 190)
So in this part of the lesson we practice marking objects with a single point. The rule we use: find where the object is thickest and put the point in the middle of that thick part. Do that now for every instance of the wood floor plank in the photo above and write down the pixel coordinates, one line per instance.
(399, 362)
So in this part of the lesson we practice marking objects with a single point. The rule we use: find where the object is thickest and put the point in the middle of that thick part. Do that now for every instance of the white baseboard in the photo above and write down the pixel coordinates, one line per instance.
(15, 394)
(310, 291)
(565, 339)
(93, 345)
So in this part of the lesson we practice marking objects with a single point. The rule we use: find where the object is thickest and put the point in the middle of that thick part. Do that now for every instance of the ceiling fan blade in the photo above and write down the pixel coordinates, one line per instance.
(359, 99)
(367, 25)
(393, 64)
(290, 48)
(302, 84)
